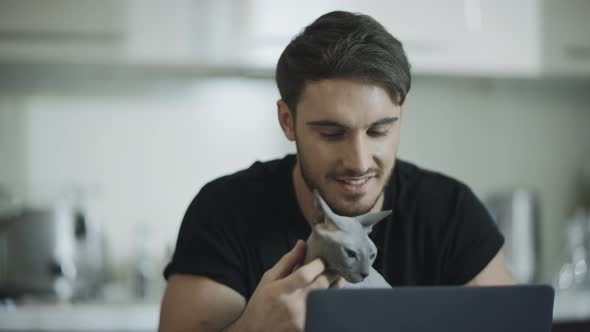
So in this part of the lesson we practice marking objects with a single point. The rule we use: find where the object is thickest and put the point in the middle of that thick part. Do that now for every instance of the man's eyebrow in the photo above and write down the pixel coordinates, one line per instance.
(326, 123)
(384, 121)
(329, 123)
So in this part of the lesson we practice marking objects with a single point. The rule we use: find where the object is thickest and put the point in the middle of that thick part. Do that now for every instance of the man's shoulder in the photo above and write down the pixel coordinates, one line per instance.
(408, 171)
(426, 185)
(257, 179)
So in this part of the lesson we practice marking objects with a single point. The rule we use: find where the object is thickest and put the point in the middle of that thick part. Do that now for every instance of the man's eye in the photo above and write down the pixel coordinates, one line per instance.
(332, 135)
(375, 133)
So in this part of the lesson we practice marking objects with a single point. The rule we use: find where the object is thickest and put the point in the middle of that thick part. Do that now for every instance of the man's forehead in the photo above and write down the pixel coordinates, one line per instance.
(347, 102)
(341, 86)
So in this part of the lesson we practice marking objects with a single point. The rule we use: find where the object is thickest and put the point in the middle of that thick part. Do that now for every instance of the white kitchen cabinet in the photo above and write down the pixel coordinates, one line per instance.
(269, 25)
(566, 37)
(181, 32)
(62, 31)
(121, 32)
(525, 38)
(438, 36)
(505, 38)
(529, 38)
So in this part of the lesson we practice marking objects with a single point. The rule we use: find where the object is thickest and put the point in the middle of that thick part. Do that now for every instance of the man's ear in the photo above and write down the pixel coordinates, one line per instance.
(286, 120)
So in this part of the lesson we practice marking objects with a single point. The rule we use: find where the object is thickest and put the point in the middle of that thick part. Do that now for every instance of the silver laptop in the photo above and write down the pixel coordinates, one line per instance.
(419, 309)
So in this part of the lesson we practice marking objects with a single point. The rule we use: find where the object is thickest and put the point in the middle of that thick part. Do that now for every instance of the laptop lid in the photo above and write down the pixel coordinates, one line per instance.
(520, 308)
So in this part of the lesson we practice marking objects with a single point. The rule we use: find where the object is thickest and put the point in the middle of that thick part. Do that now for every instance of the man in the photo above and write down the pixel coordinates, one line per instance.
(343, 82)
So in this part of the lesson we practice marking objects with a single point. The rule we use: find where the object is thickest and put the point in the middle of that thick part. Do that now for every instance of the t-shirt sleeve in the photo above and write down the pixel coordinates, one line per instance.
(471, 240)
(208, 242)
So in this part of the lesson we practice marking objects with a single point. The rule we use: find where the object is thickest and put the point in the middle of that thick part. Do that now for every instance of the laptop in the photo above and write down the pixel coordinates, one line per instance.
(521, 308)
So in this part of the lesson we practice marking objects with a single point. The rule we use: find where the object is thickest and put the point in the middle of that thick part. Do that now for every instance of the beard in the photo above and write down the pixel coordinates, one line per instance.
(354, 209)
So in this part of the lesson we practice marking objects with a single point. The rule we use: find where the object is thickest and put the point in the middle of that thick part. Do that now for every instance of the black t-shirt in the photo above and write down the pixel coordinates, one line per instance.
(239, 225)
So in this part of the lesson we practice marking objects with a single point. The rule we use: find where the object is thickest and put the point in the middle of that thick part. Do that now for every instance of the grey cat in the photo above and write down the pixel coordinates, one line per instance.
(344, 244)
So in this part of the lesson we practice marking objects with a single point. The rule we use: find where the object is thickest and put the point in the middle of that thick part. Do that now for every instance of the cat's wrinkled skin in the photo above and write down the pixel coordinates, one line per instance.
(344, 245)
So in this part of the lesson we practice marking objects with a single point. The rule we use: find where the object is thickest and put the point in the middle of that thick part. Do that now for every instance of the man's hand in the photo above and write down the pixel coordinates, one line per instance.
(278, 303)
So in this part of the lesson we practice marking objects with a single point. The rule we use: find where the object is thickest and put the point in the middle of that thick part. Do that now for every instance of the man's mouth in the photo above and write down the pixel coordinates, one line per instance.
(354, 185)
(354, 181)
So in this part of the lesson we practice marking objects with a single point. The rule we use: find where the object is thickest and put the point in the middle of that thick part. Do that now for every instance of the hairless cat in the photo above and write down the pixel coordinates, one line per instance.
(344, 245)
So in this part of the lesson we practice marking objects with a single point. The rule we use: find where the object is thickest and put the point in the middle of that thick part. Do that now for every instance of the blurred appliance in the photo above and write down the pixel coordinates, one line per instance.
(9, 205)
(517, 214)
(573, 271)
(54, 253)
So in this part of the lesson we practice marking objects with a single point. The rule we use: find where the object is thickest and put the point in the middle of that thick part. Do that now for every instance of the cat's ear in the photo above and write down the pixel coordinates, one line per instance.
(370, 219)
(322, 208)
(317, 214)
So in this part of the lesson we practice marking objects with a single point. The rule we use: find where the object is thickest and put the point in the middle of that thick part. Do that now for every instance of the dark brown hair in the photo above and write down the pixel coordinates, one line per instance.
(343, 45)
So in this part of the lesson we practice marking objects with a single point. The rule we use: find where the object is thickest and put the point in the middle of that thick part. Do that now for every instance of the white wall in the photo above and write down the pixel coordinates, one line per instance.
(12, 174)
(143, 150)
(503, 134)
(142, 153)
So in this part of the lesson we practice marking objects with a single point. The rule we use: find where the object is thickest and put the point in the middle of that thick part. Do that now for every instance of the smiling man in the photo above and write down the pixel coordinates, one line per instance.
(343, 83)
(347, 134)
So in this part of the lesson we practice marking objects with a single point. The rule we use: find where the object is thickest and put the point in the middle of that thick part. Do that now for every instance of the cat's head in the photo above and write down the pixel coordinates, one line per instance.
(344, 242)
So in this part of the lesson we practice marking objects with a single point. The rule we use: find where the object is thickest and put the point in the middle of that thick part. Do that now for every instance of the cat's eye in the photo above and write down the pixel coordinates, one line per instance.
(350, 253)
(373, 256)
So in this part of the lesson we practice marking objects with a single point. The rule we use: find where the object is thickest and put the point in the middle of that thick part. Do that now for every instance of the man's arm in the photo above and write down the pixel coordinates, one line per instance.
(194, 303)
(198, 304)
(495, 273)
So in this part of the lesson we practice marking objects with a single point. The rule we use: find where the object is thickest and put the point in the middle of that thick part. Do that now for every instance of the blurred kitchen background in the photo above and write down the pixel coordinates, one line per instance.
(113, 114)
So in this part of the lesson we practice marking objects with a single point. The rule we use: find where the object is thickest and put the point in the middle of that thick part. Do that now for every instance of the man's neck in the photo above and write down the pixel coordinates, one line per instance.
(305, 197)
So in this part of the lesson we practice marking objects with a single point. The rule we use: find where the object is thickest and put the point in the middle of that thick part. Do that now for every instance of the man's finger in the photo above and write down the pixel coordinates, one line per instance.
(286, 264)
(304, 275)
(338, 283)
(332, 277)
(321, 282)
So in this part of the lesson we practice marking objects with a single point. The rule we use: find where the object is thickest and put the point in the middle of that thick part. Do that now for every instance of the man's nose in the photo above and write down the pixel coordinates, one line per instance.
(357, 156)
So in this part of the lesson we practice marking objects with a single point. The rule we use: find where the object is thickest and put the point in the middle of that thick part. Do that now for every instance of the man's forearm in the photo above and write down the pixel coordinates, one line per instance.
(236, 326)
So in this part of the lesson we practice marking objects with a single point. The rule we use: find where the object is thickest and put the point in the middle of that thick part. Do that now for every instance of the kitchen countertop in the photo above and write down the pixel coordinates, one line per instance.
(80, 317)
(569, 306)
